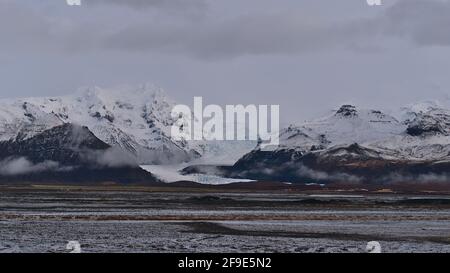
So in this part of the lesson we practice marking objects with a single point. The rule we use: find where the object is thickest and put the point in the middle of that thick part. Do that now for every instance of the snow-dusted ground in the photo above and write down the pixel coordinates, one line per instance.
(126, 221)
(170, 173)
(166, 237)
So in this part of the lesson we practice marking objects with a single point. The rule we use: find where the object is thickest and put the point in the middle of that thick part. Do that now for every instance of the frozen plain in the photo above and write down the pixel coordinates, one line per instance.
(151, 220)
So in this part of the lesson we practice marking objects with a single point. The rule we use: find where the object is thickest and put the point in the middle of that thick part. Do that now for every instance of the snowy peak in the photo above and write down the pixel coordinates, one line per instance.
(137, 119)
(425, 137)
(433, 122)
(21, 119)
(347, 125)
(422, 107)
(346, 111)
(351, 112)
(135, 95)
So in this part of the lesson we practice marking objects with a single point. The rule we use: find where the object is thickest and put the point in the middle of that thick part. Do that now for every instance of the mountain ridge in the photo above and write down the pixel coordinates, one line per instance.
(136, 119)
(353, 145)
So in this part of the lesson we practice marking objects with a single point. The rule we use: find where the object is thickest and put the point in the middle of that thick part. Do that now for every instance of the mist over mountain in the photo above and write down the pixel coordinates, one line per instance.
(67, 153)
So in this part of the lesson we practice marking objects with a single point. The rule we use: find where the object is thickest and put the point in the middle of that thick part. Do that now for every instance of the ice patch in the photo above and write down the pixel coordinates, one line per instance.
(170, 174)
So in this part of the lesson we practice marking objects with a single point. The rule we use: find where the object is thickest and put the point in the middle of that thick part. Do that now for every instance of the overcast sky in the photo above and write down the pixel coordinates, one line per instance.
(306, 55)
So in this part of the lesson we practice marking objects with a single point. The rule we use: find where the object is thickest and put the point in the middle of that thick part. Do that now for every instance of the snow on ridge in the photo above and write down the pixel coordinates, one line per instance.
(373, 129)
(137, 119)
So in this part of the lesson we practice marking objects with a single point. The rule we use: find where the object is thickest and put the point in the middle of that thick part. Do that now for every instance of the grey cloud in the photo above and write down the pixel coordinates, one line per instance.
(307, 55)
(304, 171)
(165, 4)
(31, 27)
(247, 35)
(113, 157)
(423, 22)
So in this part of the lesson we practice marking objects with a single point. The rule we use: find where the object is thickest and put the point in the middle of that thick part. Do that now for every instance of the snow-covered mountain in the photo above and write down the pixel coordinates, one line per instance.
(353, 144)
(136, 119)
(349, 144)
(422, 136)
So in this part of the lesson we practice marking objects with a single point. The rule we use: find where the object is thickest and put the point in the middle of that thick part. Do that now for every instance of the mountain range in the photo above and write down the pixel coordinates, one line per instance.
(353, 145)
(136, 121)
(105, 134)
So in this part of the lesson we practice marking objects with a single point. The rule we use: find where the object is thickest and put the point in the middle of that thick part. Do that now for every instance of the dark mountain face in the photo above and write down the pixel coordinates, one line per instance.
(67, 144)
(67, 153)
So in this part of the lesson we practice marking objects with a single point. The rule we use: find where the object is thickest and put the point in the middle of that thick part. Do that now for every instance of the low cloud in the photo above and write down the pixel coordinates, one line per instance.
(21, 165)
(294, 172)
(426, 178)
(110, 158)
(113, 157)
(304, 171)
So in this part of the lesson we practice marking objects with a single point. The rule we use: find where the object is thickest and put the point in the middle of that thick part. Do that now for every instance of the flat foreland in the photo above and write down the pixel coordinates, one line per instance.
(186, 218)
